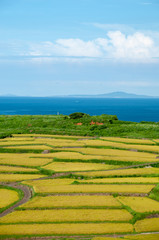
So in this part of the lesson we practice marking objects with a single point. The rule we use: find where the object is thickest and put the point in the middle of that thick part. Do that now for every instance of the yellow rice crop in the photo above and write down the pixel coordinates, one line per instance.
(59, 142)
(67, 142)
(144, 148)
(122, 172)
(48, 136)
(16, 155)
(71, 228)
(106, 144)
(93, 188)
(72, 155)
(18, 139)
(40, 147)
(76, 166)
(123, 180)
(63, 136)
(16, 169)
(7, 197)
(77, 155)
(140, 204)
(24, 161)
(14, 143)
(147, 225)
(128, 140)
(50, 182)
(71, 201)
(143, 237)
(67, 215)
(112, 152)
(121, 145)
(18, 177)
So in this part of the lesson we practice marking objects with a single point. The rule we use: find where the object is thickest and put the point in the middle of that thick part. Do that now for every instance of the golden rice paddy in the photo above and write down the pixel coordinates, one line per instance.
(65, 228)
(19, 136)
(140, 204)
(23, 159)
(16, 169)
(18, 177)
(60, 142)
(16, 142)
(67, 215)
(38, 147)
(73, 201)
(148, 180)
(50, 182)
(75, 166)
(112, 152)
(120, 145)
(128, 140)
(79, 156)
(7, 197)
(122, 172)
(80, 203)
(92, 188)
(72, 156)
(147, 225)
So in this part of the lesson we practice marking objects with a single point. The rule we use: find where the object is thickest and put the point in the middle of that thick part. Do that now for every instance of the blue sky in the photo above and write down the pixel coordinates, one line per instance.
(61, 47)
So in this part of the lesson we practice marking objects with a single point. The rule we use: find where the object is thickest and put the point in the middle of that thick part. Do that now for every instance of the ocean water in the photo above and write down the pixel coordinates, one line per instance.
(135, 110)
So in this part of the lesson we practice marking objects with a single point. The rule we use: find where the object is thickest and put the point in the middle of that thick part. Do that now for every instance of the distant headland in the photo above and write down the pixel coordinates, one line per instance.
(118, 94)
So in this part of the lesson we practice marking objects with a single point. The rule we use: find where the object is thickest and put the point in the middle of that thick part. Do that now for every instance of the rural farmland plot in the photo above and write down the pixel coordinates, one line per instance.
(79, 188)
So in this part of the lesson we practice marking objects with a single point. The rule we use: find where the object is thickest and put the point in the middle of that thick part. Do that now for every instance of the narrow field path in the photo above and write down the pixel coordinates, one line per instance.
(27, 195)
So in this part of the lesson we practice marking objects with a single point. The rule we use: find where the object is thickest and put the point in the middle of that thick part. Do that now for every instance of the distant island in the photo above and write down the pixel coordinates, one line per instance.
(119, 94)
(113, 95)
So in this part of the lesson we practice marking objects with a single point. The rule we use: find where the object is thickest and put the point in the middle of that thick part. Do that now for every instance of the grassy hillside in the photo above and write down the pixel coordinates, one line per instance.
(62, 124)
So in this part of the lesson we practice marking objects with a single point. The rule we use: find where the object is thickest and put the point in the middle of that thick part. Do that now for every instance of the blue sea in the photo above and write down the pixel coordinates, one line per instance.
(135, 110)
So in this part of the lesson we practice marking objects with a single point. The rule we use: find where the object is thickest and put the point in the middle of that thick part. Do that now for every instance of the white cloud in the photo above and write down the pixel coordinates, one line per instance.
(67, 47)
(137, 47)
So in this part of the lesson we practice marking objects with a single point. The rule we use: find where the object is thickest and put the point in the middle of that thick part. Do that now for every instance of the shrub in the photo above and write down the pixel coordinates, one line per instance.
(77, 115)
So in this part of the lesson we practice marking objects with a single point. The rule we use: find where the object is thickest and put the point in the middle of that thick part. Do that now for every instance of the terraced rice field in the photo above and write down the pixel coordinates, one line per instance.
(4, 177)
(147, 225)
(79, 187)
(129, 140)
(11, 169)
(23, 159)
(8, 197)
(67, 215)
(74, 167)
(140, 204)
(39, 147)
(133, 180)
(51, 187)
(123, 172)
(116, 154)
(65, 229)
(74, 201)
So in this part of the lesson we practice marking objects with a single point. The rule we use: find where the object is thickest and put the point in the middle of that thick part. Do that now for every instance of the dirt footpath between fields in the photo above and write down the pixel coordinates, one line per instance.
(27, 195)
